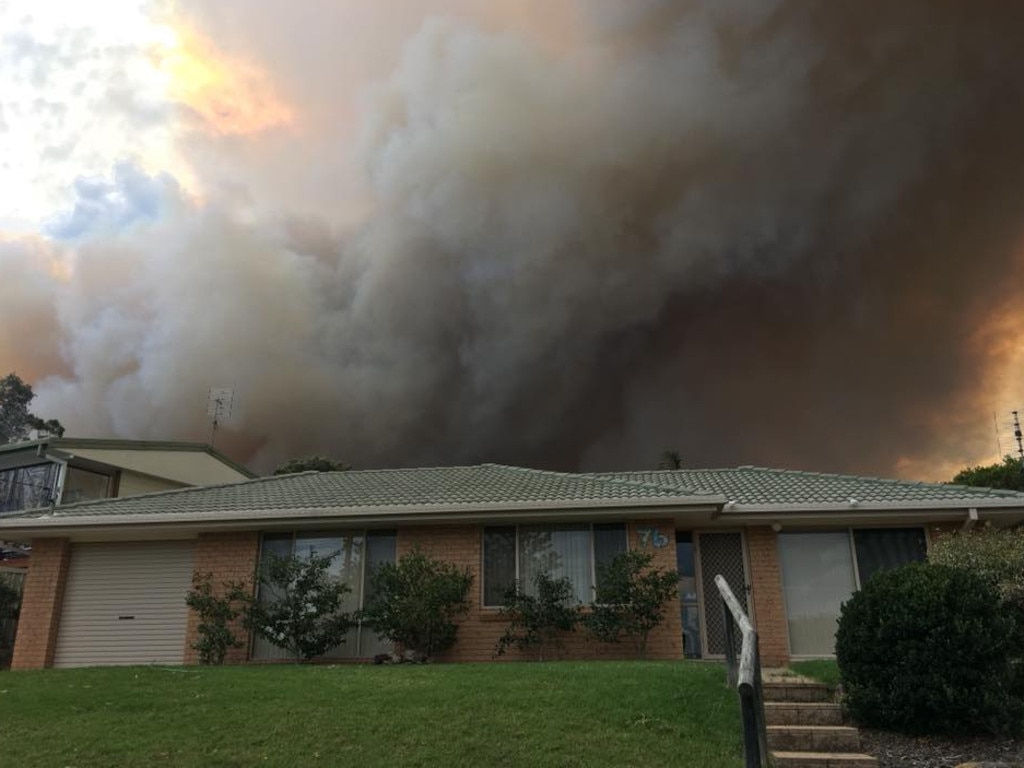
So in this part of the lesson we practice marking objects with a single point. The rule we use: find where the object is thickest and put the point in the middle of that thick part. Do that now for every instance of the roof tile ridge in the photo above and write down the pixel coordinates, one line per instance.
(674, 490)
(1004, 492)
(187, 489)
(678, 490)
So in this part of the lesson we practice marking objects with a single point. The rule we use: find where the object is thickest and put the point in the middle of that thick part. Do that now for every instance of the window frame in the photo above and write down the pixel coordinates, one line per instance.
(516, 577)
(849, 531)
(361, 533)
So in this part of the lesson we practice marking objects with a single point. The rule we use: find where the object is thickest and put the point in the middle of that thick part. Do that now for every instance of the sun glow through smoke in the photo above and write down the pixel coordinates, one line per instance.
(229, 95)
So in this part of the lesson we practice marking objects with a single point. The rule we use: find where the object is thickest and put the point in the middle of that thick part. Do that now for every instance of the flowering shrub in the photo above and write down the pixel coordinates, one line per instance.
(300, 610)
(216, 614)
(539, 620)
(631, 599)
(417, 601)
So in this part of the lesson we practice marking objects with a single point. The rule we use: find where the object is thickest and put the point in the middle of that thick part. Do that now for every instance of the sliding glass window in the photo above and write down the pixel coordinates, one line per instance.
(573, 551)
(355, 555)
(821, 570)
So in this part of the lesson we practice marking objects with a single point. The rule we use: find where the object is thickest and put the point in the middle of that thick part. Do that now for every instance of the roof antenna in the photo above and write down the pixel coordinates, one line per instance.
(1018, 436)
(999, 440)
(218, 408)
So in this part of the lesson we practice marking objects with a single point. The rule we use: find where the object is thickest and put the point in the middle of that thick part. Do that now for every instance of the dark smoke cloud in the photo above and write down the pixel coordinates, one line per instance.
(783, 233)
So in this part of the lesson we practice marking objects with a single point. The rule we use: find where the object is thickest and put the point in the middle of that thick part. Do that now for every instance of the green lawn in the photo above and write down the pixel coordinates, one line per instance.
(822, 670)
(520, 714)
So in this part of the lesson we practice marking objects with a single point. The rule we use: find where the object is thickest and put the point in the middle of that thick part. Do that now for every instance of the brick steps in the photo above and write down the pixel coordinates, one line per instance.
(817, 738)
(805, 728)
(823, 760)
(802, 713)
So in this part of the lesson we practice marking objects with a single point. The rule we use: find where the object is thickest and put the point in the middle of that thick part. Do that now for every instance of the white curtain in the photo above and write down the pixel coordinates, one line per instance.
(817, 577)
(563, 551)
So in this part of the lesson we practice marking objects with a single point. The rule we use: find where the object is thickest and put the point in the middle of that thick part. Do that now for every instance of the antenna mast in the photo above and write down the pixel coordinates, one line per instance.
(218, 408)
(1018, 436)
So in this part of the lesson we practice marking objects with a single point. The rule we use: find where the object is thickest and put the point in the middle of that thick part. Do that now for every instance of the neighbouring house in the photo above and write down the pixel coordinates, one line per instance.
(63, 470)
(108, 578)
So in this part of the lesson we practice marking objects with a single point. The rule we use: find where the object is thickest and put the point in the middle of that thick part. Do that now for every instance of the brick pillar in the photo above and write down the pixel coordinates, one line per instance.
(41, 604)
(769, 607)
(666, 640)
(228, 557)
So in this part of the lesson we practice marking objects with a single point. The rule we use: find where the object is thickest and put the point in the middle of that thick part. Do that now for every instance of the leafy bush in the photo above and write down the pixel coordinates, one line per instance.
(631, 599)
(303, 614)
(539, 621)
(996, 554)
(926, 649)
(417, 601)
(10, 605)
(217, 612)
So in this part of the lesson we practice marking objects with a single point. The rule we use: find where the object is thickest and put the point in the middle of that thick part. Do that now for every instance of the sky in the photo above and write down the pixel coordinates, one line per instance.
(553, 233)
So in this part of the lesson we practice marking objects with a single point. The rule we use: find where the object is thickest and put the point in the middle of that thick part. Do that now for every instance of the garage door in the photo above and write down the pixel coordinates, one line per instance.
(125, 604)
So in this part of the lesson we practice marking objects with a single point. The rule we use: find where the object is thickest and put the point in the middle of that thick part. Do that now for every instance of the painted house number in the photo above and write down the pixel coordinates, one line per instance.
(651, 537)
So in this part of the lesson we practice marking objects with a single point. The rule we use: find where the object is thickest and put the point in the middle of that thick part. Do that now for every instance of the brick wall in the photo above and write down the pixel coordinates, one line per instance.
(229, 557)
(482, 627)
(769, 607)
(41, 604)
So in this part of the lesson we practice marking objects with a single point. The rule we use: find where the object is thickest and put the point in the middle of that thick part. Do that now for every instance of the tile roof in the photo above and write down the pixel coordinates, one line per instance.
(486, 485)
(756, 486)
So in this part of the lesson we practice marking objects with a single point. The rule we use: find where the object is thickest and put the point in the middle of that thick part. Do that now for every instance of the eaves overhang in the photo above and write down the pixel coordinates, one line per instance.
(1004, 510)
(55, 524)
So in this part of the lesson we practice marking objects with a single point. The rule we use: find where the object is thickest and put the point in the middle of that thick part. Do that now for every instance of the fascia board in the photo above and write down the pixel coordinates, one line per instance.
(782, 509)
(53, 523)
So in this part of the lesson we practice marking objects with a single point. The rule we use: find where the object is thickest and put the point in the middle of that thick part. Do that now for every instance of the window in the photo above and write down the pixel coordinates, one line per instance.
(83, 485)
(821, 570)
(562, 551)
(27, 487)
(356, 555)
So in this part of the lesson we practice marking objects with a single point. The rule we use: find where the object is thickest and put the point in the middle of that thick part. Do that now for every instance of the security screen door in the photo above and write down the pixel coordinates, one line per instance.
(720, 553)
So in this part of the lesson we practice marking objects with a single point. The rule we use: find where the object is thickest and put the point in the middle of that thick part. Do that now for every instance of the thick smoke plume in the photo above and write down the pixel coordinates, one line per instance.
(785, 233)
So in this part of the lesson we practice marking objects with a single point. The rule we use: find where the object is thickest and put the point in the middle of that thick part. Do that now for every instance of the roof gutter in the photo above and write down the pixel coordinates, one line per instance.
(54, 524)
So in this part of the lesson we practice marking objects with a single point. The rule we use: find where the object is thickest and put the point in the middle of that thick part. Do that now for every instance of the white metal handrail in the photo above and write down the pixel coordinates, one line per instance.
(744, 674)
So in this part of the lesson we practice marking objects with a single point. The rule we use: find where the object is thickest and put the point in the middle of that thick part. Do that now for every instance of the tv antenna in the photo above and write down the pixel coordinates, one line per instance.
(218, 408)
(1018, 437)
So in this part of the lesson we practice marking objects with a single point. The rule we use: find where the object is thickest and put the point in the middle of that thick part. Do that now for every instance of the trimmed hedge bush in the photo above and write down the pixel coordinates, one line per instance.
(926, 649)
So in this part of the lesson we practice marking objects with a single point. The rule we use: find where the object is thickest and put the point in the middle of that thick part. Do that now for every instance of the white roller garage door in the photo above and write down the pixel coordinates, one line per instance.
(124, 603)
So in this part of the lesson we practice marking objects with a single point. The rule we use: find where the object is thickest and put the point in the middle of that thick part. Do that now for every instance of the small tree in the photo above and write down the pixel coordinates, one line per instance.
(311, 464)
(10, 604)
(217, 613)
(671, 459)
(15, 418)
(417, 601)
(996, 554)
(631, 599)
(1007, 474)
(539, 620)
(303, 613)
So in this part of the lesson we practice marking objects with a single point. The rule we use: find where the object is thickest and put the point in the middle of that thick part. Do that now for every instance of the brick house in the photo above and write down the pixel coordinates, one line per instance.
(108, 578)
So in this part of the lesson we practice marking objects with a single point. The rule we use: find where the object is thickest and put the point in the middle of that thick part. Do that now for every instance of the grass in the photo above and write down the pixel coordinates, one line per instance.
(520, 714)
(822, 670)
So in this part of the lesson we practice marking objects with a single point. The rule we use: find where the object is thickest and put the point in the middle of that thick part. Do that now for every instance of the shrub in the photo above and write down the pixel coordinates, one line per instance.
(996, 554)
(216, 614)
(631, 599)
(10, 604)
(925, 649)
(303, 612)
(539, 621)
(417, 601)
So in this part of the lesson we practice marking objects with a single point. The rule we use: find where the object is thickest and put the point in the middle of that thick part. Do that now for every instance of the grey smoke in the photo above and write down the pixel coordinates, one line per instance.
(784, 233)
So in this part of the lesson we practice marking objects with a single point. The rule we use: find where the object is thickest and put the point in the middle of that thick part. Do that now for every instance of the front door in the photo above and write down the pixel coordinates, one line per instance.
(720, 553)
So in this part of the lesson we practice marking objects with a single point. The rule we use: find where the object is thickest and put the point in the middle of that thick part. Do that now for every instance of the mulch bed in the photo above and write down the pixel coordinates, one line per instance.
(895, 750)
